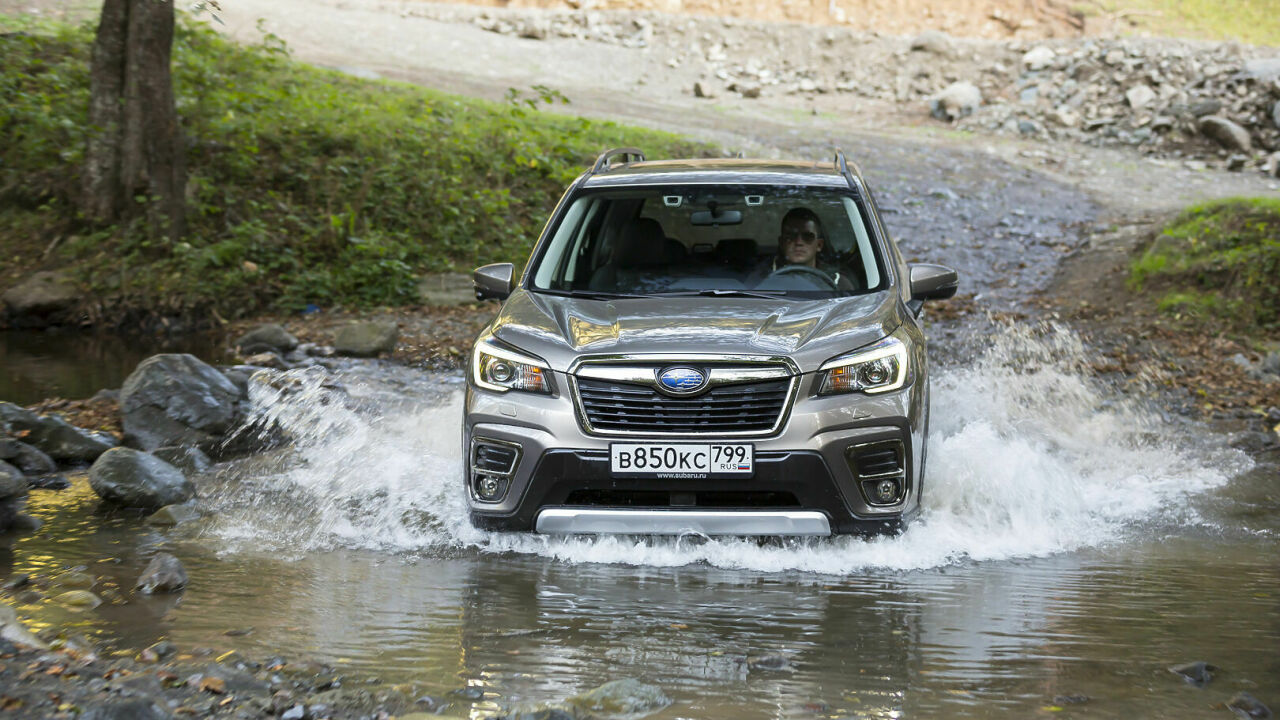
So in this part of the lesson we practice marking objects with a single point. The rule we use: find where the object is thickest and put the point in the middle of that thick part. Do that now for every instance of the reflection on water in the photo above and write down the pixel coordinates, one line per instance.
(975, 640)
(35, 365)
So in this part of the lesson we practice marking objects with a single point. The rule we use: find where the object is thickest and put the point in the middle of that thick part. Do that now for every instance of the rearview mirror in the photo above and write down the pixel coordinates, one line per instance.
(933, 282)
(493, 281)
(716, 217)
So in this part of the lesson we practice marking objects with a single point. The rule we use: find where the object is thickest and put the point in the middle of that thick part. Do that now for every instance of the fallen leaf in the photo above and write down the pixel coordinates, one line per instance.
(213, 684)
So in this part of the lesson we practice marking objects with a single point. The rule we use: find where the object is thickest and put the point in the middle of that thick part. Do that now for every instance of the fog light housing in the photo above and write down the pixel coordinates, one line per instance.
(493, 464)
(490, 487)
(887, 491)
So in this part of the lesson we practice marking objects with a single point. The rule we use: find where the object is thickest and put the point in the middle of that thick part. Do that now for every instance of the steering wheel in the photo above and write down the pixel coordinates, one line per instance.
(805, 270)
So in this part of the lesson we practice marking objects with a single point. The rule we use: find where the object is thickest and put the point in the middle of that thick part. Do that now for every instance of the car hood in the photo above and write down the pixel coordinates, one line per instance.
(562, 329)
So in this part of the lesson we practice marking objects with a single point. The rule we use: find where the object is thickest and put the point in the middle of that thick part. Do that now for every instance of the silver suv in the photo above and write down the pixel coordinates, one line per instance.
(723, 347)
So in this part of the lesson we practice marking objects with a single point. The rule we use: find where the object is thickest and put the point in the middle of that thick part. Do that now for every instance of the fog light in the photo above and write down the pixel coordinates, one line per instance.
(886, 491)
(490, 487)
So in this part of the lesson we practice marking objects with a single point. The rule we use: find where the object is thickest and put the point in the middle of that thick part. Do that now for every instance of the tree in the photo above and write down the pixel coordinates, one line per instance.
(135, 143)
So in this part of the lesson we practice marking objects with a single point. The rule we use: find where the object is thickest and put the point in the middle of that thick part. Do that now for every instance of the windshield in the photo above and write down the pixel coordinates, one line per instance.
(803, 242)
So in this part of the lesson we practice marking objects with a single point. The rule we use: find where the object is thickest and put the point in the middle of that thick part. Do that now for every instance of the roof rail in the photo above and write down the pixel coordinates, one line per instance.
(628, 154)
(842, 167)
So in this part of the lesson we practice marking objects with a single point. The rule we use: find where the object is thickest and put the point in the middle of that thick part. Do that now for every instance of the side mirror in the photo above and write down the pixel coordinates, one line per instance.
(933, 282)
(493, 281)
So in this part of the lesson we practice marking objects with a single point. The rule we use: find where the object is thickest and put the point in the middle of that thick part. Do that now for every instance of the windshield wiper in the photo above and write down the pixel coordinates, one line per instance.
(591, 294)
(722, 292)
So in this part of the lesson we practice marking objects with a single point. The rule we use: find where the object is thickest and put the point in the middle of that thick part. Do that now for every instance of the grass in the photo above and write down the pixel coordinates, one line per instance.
(1249, 21)
(305, 186)
(1217, 264)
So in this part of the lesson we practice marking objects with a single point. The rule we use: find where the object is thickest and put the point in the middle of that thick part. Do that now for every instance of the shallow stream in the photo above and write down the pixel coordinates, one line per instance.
(1074, 545)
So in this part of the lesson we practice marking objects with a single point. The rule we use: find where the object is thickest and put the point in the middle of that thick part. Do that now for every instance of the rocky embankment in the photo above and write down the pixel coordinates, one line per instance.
(1209, 104)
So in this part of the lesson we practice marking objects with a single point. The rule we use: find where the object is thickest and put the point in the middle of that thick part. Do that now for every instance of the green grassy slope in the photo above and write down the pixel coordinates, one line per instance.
(305, 186)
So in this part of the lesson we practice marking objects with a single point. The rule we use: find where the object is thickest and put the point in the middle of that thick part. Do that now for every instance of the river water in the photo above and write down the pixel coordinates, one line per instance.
(1074, 545)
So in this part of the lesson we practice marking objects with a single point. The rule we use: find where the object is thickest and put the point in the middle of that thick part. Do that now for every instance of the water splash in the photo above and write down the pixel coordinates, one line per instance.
(1028, 457)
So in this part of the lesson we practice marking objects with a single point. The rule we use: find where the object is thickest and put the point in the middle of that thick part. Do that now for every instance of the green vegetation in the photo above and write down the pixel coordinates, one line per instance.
(305, 186)
(1218, 263)
(1250, 21)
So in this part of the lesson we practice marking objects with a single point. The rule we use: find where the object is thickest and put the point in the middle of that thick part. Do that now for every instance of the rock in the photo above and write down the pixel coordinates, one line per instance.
(171, 515)
(1204, 107)
(266, 337)
(1248, 707)
(135, 479)
(177, 400)
(958, 100)
(700, 90)
(1275, 114)
(41, 299)
(1197, 673)
(15, 632)
(1026, 127)
(75, 579)
(545, 713)
(1273, 165)
(1262, 68)
(1271, 363)
(190, 460)
(82, 599)
(26, 523)
(1228, 134)
(1038, 58)
(1236, 162)
(130, 709)
(768, 662)
(748, 90)
(1140, 96)
(1066, 117)
(366, 339)
(12, 482)
(935, 42)
(163, 574)
(625, 696)
(30, 460)
(268, 359)
(54, 436)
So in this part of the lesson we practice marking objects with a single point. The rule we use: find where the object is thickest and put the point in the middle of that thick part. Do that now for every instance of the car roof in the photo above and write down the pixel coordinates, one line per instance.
(731, 171)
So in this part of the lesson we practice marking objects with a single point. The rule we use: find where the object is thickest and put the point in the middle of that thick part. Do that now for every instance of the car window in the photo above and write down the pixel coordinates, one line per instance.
(685, 239)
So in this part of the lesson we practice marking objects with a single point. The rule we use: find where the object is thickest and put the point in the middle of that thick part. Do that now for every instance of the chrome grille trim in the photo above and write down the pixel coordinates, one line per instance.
(641, 372)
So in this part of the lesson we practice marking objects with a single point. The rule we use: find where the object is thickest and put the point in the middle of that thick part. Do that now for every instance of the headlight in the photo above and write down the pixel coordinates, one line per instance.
(879, 368)
(499, 369)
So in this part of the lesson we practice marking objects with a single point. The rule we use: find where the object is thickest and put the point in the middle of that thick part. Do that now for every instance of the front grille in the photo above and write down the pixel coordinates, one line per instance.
(754, 407)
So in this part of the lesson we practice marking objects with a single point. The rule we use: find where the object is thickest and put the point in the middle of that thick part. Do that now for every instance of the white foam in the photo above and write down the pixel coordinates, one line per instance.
(1028, 457)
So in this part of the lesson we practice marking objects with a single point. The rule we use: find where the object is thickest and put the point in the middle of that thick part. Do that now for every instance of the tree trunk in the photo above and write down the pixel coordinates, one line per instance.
(135, 144)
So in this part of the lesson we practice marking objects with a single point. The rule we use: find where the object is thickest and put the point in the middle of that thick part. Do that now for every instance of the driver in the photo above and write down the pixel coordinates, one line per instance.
(800, 242)
(801, 239)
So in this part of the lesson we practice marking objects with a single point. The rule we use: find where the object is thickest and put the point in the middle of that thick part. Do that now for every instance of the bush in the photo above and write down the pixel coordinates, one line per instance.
(1218, 263)
(305, 185)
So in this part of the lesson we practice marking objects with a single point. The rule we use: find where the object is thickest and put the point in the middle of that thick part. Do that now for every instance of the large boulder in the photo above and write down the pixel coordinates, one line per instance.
(189, 460)
(57, 438)
(176, 399)
(13, 494)
(266, 337)
(41, 299)
(12, 482)
(27, 458)
(136, 479)
(366, 339)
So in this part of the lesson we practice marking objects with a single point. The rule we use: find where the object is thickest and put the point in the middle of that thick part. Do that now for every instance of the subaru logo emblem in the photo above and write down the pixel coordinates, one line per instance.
(681, 380)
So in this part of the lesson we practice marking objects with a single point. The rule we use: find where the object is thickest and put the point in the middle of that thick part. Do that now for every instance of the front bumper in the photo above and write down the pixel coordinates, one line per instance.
(802, 485)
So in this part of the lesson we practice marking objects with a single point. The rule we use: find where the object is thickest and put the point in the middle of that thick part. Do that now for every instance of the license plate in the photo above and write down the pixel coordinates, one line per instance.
(677, 460)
